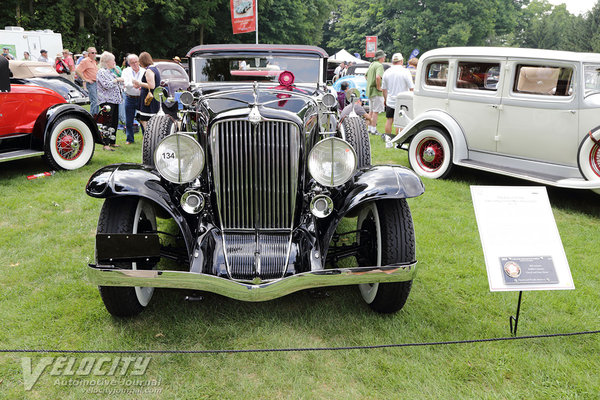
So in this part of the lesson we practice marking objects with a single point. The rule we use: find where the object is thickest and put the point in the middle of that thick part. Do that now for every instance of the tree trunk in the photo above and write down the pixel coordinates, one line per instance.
(81, 19)
(109, 35)
(201, 34)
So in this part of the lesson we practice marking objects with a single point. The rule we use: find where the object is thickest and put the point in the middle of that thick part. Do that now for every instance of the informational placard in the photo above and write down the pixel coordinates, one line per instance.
(243, 15)
(520, 240)
(371, 46)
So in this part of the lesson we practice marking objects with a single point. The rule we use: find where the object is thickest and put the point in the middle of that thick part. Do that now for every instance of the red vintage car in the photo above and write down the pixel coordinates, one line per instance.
(36, 121)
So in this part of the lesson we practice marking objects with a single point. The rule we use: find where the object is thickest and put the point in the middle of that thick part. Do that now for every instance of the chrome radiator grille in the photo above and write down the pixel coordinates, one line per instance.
(262, 255)
(256, 173)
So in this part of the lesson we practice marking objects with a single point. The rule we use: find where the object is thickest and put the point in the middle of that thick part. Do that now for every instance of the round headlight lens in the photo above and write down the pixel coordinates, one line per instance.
(329, 100)
(332, 162)
(179, 158)
(186, 98)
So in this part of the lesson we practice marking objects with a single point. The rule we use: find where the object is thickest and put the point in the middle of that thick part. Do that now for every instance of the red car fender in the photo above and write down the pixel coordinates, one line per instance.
(46, 121)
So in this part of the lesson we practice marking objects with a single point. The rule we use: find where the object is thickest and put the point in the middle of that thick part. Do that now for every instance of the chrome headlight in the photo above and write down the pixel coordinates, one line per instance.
(179, 158)
(332, 162)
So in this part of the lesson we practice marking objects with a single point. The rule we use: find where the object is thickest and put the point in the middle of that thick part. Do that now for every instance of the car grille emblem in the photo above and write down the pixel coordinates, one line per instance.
(254, 116)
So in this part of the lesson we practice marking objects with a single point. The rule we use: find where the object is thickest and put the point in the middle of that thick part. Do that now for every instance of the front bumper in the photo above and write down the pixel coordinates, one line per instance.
(107, 275)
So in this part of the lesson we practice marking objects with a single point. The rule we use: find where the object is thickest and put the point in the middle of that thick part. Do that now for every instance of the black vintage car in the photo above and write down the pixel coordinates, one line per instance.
(255, 176)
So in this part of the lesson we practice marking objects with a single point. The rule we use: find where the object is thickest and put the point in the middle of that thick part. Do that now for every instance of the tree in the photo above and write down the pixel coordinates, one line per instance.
(402, 25)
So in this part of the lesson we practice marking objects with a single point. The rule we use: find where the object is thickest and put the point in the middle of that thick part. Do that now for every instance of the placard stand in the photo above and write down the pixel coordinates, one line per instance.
(520, 241)
(516, 318)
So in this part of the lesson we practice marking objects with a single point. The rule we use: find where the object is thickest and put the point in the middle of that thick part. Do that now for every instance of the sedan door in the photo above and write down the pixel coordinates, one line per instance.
(474, 101)
(539, 119)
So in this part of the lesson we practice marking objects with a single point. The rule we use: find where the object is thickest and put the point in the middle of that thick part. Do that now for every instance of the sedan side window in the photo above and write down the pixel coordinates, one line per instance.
(478, 76)
(543, 80)
(436, 74)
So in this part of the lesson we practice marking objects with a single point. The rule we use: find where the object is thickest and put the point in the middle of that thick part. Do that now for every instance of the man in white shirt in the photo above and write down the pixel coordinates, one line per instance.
(396, 79)
(338, 70)
(132, 95)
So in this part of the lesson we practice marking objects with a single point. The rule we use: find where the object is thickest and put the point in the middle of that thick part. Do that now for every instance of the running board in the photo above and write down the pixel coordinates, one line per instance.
(19, 154)
(544, 179)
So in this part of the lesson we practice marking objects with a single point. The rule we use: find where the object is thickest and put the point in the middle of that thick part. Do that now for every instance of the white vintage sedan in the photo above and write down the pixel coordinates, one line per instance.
(527, 113)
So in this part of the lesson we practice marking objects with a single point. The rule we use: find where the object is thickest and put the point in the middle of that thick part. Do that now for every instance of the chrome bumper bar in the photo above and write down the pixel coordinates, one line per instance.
(107, 275)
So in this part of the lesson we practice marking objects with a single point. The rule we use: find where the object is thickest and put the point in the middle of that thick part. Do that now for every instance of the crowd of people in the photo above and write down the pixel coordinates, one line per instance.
(120, 94)
(382, 88)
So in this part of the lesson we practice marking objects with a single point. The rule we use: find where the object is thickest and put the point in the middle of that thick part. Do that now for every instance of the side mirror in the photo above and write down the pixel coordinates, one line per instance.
(354, 94)
(160, 94)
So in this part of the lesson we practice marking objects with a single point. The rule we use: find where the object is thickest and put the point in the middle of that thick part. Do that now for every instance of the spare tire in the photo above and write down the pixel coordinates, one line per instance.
(356, 133)
(159, 127)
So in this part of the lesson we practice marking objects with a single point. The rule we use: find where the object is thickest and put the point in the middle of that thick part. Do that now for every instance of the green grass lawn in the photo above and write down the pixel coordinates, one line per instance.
(47, 229)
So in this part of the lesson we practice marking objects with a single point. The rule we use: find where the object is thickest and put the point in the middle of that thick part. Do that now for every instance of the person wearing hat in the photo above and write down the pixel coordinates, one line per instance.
(396, 80)
(67, 58)
(374, 93)
(6, 53)
(44, 56)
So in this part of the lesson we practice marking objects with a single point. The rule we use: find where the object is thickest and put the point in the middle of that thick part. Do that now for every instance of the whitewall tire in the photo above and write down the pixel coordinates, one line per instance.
(70, 144)
(430, 153)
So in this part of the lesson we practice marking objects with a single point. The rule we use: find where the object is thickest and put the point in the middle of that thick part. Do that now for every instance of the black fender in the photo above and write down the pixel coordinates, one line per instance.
(46, 121)
(138, 180)
(380, 182)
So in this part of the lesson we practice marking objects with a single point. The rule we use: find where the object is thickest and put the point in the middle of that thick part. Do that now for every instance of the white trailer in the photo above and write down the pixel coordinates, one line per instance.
(18, 40)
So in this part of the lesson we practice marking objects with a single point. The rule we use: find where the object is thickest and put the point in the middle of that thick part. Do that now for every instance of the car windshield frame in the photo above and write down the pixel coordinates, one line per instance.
(591, 79)
(260, 67)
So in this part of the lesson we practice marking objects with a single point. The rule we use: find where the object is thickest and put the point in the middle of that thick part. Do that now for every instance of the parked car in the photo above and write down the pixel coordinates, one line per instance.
(527, 113)
(175, 80)
(172, 76)
(36, 121)
(356, 78)
(43, 74)
(256, 177)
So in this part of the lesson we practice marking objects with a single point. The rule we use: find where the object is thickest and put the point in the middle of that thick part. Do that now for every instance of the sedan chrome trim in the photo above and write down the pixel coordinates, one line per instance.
(108, 275)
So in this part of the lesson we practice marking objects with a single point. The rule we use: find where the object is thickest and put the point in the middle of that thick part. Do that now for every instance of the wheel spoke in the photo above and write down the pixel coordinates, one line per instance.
(69, 144)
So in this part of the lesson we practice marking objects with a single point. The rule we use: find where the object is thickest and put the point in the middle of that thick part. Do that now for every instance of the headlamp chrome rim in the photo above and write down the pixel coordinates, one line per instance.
(334, 180)
(182, 140)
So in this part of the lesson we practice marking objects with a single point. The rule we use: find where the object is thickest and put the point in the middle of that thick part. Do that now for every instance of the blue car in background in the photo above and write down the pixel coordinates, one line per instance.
(356, 79)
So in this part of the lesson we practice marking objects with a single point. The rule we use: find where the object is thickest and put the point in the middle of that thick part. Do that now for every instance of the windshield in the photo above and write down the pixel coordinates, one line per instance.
(250, 69)
(591, 73)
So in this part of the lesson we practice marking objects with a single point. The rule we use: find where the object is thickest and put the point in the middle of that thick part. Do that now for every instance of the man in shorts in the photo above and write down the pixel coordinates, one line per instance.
(396, 79)
(374, 92)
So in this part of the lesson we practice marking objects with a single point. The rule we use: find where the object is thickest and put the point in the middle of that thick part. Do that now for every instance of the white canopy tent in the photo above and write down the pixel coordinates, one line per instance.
(343, 55)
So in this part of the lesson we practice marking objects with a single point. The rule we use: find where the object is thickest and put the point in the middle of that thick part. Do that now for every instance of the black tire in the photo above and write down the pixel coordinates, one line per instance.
(430, 153)
(356, 133)
(159, 127)
(119, 215)
(70, 143)
(389, 230)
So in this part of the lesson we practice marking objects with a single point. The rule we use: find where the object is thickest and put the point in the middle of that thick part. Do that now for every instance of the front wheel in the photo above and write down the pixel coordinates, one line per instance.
(126, 215)
(159, 127)
(430, 153)
(589, 157)
(386, 228)
(70, 144)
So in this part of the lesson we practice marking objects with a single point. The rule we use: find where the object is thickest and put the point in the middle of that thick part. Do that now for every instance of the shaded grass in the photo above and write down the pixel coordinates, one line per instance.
(47, 229)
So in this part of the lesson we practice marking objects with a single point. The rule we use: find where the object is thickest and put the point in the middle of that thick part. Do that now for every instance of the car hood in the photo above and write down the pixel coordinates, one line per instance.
(68, 90)
(222, 98)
